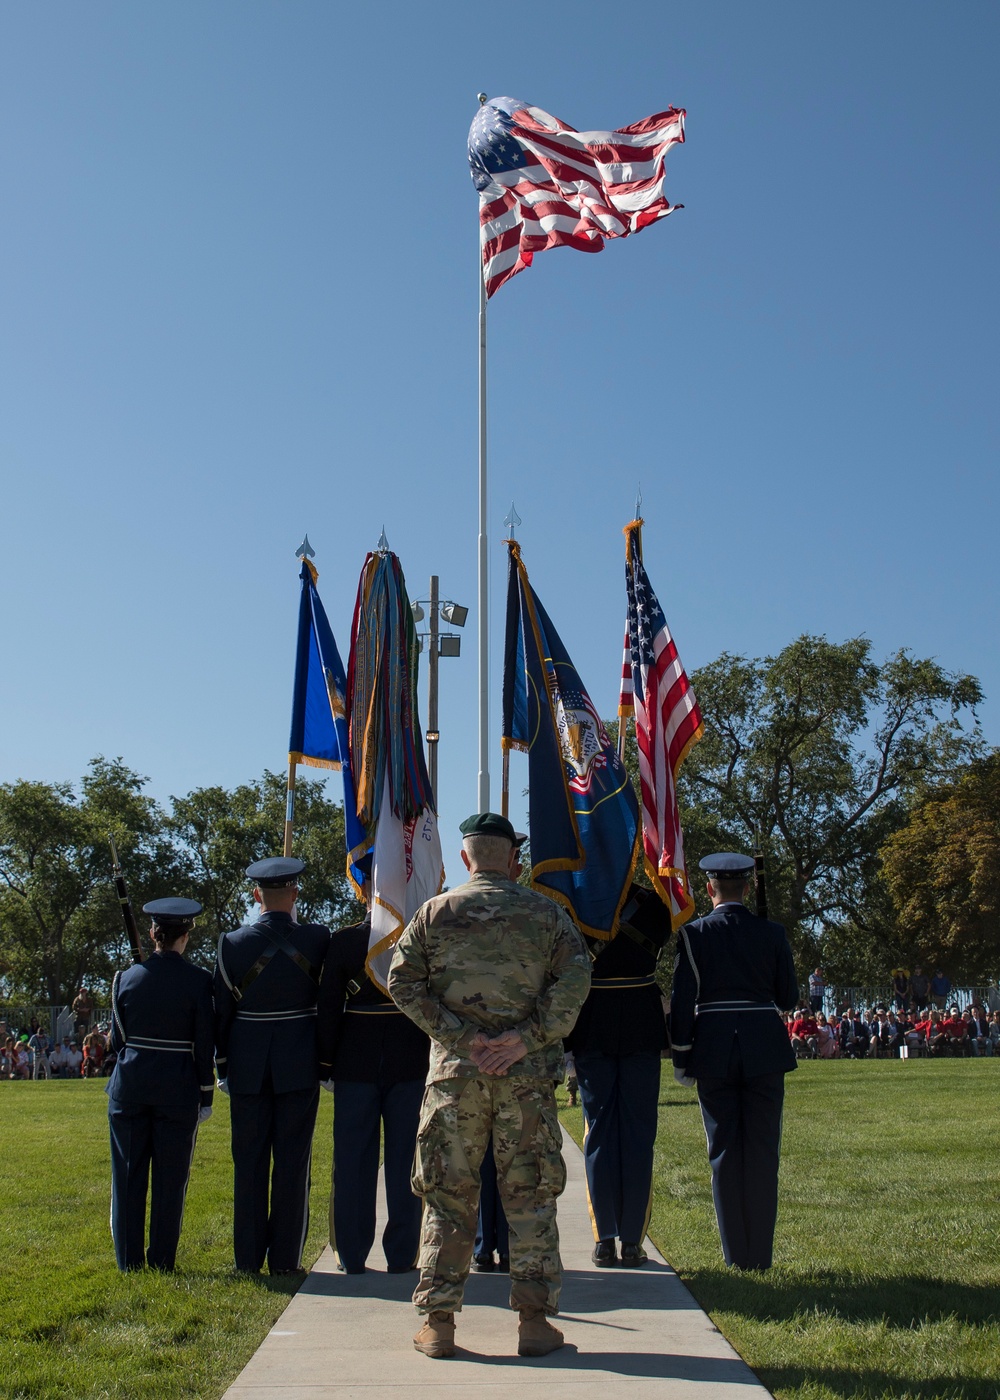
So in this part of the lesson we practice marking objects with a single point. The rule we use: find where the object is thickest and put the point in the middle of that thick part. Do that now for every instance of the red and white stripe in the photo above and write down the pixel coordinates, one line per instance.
(668, 723)
(581, 188)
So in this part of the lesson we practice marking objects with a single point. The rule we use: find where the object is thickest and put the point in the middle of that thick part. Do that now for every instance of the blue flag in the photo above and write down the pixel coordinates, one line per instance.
(582, 810)
(319, 705)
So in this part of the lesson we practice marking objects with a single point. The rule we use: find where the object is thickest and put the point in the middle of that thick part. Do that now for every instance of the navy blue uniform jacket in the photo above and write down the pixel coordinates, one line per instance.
(164, 999)
(732, 956)
(621, 1021)
(377, 1046)
(258, 1054)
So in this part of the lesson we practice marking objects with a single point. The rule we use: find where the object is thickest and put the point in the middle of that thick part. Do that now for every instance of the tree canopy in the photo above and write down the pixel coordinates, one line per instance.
(814, 754)
(943, 871)
(60, 923)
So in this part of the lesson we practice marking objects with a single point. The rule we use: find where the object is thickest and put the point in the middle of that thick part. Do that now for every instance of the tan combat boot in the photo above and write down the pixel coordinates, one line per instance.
(437, 1336)
(535, 1334)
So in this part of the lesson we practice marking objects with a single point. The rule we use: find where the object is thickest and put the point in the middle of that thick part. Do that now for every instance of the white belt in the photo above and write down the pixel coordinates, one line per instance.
(706, 1006)
(275, 1015)
(149, 1042)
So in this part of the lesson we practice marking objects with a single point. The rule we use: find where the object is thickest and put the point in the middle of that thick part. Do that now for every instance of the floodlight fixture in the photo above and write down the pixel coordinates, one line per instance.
(454, 614)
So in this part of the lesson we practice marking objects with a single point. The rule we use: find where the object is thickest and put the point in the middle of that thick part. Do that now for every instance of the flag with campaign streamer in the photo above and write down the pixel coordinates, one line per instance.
(542, 184)
(656, 690)
(395, 804)
(319, 705)
(582, 811)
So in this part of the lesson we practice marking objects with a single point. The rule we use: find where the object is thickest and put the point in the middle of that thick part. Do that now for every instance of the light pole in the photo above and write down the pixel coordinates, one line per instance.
(439, 644)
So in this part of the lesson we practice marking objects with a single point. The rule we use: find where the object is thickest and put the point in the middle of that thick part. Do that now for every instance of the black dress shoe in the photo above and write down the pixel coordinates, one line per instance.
(604, 1255)
(483, 1263)
(503, 1266)
(401, 1269)
(633, 1255)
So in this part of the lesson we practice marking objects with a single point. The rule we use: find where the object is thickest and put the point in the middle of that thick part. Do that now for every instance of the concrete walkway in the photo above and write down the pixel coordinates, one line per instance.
(346, 1338)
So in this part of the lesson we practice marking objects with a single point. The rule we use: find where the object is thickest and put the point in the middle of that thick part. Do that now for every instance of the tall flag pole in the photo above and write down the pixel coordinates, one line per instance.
(543, 184)
(655, 690)
(395, 805)
(582, 812)
(318, 735)
(483, 782)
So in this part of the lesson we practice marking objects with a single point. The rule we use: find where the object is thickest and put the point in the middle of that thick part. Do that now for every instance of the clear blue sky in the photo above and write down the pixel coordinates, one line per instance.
(239, 258)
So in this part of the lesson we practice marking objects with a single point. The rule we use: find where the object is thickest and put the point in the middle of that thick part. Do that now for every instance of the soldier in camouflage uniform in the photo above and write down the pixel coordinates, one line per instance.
(496, 975)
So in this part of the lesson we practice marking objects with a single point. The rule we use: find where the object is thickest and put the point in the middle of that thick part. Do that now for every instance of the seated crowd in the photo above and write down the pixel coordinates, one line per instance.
(884, 1032)
(31, 1055)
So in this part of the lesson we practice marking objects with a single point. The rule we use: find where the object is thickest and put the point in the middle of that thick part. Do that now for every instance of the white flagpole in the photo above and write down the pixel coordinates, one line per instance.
(483, 789)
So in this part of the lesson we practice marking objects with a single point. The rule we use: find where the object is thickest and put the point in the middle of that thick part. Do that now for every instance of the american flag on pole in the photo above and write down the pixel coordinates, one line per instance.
(543, 184)
(656, 690)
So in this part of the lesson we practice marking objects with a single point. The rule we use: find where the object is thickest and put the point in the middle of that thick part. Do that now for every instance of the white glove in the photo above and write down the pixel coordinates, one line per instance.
(223, 1087)
(683, 1080)
(204, 1114)
(326, 1084)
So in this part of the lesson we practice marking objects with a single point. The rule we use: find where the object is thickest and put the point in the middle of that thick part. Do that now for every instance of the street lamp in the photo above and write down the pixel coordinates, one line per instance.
(439, 644)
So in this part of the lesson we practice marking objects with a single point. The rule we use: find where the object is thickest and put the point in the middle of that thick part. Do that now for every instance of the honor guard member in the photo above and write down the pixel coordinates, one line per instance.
(266, 980)
(734, 971)
(161, 1086)
(617, 1046)
(375, 1061)
(495, 974)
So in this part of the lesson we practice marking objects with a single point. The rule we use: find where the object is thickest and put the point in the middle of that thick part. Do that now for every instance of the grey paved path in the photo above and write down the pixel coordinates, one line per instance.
(346, 1338)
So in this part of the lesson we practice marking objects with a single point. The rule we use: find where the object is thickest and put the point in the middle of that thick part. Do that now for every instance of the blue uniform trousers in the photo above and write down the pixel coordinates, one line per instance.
(619, 1094)
(492, 1231)
(266, 1126)
(742, 1119)
(359, 1109)
(147, 1138)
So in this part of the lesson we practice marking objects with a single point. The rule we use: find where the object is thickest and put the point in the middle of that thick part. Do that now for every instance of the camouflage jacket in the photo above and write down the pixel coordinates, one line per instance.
(491, 955)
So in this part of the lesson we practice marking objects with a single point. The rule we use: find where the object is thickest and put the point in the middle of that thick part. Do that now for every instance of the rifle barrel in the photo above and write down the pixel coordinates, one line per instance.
(128, 918)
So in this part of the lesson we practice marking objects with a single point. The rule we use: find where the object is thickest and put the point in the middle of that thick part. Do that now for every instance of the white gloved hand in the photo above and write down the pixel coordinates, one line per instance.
(223, 1087)
(204, 1114)
(326, 1084)
(683, 1080)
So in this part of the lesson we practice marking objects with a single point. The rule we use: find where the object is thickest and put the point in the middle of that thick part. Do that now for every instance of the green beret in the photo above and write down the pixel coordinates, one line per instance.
(490, 824)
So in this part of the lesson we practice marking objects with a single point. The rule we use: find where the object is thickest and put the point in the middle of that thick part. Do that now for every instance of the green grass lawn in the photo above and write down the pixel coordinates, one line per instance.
(71, 1326)
(886, 1282)
(887, 1271)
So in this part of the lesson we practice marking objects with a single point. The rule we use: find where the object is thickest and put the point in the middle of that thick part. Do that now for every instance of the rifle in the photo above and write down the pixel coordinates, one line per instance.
(128, 918)
(759, 880)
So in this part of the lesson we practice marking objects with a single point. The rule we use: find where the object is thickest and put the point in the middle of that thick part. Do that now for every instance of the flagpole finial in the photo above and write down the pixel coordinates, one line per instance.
(305, 550)
(638, 501)
(383, 544)
(481, 97)
(512, 519)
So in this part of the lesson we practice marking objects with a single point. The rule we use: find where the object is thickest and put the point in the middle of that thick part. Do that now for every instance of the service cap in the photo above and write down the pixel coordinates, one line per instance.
(727, 865)
(172, 911)
(277, 873)
(492, 824)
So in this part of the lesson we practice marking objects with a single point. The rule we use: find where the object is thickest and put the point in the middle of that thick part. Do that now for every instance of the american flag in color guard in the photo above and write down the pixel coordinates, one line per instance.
(656, 690)
(543, 184)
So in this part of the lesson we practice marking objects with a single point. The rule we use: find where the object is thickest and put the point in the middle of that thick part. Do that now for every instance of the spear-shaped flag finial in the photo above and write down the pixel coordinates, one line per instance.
(305, 549)
(383, 544)
(512, 519)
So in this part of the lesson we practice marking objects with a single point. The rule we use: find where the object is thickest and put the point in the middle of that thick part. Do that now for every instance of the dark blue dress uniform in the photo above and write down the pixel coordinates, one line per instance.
(266, 981)
(617, 1044)
(733, 972)
(377, 1059)
(162, 1034)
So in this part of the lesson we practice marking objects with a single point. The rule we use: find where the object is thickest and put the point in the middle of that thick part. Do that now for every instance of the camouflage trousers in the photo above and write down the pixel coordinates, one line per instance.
(457, 1118)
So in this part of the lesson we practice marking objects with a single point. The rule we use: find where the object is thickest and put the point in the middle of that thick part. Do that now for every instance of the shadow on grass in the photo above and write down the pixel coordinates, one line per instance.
(900, 1300)
(849, 1384)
